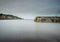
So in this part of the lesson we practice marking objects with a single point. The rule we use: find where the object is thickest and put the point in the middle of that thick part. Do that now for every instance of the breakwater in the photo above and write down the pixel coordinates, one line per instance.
(47, 19)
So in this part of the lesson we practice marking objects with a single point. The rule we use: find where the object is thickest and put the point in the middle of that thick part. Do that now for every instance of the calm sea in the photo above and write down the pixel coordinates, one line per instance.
(28, 29)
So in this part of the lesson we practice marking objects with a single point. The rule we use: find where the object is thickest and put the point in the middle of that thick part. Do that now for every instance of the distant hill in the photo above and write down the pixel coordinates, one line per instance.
(5, 16)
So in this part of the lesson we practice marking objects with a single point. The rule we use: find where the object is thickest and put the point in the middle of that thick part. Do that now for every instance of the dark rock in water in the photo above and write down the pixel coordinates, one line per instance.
(4, 16)
(47, 19)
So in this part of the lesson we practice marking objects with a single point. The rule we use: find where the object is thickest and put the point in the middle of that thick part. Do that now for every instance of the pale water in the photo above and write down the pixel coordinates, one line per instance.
(28, 29)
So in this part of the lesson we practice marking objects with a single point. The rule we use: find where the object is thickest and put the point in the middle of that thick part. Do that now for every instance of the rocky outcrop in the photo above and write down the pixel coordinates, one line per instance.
(4, 16)
(47, 19)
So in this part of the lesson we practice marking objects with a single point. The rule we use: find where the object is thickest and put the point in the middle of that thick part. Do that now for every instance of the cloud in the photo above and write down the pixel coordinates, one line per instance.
(30, 6)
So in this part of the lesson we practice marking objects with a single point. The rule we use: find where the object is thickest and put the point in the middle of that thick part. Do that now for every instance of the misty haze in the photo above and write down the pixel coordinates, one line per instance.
(29, 20)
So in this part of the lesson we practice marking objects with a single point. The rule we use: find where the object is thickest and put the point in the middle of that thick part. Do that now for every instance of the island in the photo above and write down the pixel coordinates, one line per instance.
(55, 19)
(8, 17)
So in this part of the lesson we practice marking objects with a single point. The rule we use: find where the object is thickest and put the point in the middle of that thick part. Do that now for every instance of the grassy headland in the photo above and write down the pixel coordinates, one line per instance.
(6, 16)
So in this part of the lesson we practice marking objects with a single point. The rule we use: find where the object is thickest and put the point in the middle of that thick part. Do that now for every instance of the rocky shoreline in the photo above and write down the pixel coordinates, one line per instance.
(47, 19)
(8, 17)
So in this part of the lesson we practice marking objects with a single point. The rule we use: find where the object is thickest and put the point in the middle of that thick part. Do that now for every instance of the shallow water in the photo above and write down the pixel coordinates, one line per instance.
(23, 29)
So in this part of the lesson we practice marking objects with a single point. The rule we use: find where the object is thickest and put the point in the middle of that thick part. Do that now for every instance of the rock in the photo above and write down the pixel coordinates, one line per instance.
(4, 16)
(47, 19)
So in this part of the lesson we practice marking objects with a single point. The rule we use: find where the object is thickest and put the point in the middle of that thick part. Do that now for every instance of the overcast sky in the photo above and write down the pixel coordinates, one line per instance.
(28, 9)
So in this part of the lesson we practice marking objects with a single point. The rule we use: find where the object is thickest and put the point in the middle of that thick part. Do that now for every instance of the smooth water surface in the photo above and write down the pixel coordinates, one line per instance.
(22, 29)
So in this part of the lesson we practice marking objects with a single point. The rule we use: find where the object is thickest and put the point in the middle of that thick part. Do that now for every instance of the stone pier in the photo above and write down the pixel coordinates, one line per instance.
(47, 19)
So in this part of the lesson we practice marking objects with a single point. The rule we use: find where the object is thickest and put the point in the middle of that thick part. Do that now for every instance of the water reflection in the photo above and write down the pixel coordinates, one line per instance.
(22, 29)
(47, 28)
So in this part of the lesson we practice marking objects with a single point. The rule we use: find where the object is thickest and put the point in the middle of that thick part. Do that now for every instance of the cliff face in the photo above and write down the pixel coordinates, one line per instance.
(47, 19)
(3, 16)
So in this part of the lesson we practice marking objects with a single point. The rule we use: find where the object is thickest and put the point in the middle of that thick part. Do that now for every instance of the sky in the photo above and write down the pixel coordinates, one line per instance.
(29, 9)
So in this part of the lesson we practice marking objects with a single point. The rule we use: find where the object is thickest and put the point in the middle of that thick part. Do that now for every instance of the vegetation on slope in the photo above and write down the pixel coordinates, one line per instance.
(5, 16)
